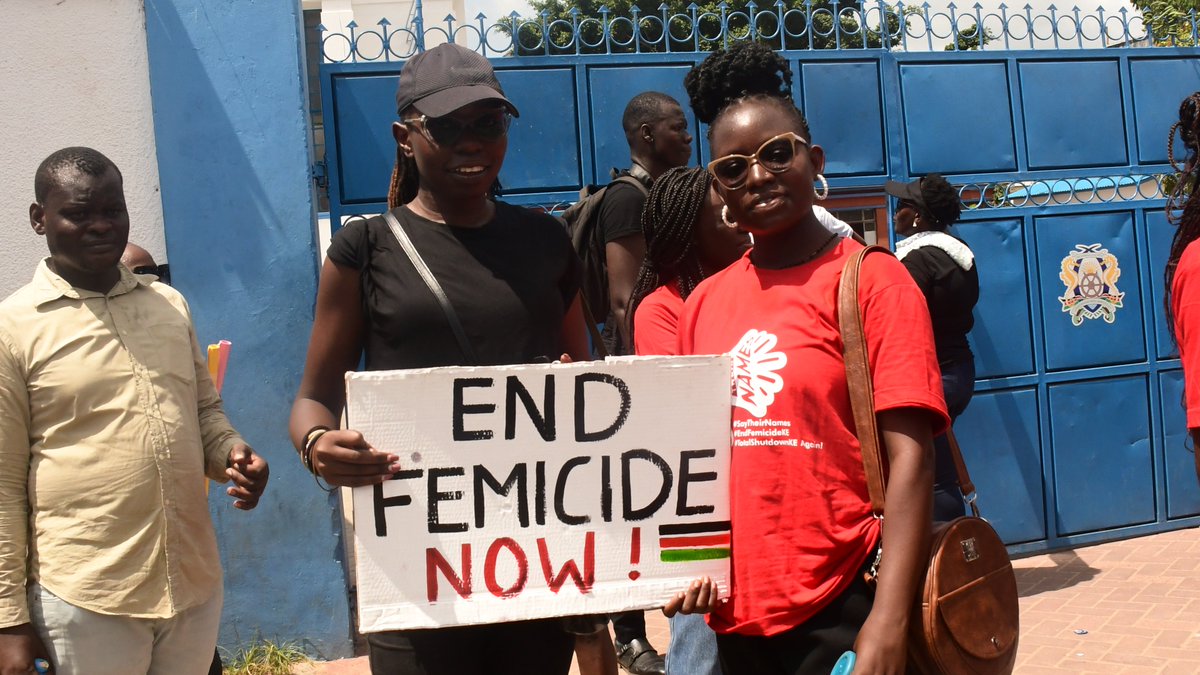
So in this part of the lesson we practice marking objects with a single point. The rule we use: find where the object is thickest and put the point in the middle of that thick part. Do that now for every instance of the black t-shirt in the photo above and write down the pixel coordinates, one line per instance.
(510, 282)
(951, 293)
(619, 215)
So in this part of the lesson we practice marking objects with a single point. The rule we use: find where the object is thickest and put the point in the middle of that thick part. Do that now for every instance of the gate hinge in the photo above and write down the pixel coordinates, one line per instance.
(320, 174)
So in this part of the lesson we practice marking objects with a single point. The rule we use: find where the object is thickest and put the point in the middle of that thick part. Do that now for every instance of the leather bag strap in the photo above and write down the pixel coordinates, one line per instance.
(858, 376)
(960, 467)
(434, 287)
(862, 395)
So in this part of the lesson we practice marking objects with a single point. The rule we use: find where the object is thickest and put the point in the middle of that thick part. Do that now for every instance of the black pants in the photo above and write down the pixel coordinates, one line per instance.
(808, 649)
(629, 626)
(521, 648)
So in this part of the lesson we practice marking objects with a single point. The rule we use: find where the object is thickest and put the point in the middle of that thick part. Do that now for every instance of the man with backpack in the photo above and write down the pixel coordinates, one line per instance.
(606, 225)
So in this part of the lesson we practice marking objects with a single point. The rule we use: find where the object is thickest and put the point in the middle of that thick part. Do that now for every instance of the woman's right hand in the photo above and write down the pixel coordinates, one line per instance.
(344, 458)
(699, 598)
(19, 646)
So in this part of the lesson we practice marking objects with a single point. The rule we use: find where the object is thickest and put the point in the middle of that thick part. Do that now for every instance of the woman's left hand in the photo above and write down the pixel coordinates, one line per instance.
(881, 647)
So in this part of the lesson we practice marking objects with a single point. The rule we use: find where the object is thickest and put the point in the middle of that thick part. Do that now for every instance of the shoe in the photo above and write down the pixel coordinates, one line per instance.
(637, 657)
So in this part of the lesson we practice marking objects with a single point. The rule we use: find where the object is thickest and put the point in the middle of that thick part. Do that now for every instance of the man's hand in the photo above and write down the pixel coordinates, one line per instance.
(249, 473)
(19, 646)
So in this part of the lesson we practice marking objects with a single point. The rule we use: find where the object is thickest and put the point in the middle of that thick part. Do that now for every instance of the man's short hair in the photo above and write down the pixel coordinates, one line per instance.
(86, 160)
(647, 107)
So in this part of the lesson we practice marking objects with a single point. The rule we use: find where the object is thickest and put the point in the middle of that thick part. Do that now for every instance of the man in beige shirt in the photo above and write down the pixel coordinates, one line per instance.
(109, 423)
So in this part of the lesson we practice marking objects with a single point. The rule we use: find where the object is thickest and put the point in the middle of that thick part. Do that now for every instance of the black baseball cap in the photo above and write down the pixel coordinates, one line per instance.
(909, 192)
(446, 78)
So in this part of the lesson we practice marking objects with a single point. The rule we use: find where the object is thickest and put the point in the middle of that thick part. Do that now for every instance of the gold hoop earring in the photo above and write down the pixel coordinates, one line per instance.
(725, 217)
(824, 191)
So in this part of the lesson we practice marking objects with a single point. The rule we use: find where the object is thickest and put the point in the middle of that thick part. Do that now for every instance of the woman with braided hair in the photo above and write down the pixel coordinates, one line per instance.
(802, 525)
(1183, 264)
(685, 243)
(510, 275)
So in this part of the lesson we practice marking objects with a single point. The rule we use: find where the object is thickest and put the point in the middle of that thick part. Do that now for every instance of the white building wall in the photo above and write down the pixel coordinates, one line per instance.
(74, 73)
(337, 14)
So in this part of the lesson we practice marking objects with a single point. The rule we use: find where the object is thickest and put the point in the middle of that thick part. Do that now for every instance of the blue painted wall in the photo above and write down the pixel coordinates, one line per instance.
(230, 119)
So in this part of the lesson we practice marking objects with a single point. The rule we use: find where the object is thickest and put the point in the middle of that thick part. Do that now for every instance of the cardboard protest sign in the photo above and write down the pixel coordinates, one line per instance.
(541, 490)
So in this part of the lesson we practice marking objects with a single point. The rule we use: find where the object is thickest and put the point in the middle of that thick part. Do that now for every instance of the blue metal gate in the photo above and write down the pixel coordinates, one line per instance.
(1076, 433)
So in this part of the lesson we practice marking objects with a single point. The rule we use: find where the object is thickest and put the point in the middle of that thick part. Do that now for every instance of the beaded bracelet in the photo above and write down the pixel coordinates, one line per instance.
(310, 444)
(310, 439)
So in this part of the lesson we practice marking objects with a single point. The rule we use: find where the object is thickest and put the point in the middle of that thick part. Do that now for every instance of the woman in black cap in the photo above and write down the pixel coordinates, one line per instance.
(509, 274)
(944, 267)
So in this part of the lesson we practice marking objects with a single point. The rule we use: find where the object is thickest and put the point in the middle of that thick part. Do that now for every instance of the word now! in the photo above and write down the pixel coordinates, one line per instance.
(462, 580)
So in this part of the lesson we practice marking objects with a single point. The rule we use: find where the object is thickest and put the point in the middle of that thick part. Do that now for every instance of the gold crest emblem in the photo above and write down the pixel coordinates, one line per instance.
(1090, 274)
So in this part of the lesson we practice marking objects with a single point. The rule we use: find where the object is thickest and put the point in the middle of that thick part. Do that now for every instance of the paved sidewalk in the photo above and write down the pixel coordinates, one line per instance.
(1131, 606)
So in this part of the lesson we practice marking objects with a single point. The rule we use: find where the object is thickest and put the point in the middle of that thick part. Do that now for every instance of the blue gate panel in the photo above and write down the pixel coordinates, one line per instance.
(845, 113)
(365, 107)
(1058, 134)
(610, 91)
(1158, 87)
(957, 118)
(1001, 445)
(1002, 338)
(1103, 470)
(1085, 262)
(543, 143)
(1158, 239)
(1183, 491)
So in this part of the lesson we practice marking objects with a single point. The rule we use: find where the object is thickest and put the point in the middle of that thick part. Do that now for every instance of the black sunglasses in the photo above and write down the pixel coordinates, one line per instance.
(448, 130)
(163, 271)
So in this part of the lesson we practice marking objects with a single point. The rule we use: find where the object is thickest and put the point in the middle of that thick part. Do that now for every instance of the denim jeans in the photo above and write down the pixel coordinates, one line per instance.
(958, 384)
(693, 649)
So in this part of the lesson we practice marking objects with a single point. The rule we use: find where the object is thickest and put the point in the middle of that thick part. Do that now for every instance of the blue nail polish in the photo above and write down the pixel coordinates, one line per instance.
(42, 666)
(845, 664)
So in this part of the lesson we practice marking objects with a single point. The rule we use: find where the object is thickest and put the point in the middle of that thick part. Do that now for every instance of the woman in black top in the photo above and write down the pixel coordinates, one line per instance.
(944, 267)
(512, 278)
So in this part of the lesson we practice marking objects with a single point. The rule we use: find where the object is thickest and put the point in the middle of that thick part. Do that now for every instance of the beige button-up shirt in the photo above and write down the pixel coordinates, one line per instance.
(109, 422)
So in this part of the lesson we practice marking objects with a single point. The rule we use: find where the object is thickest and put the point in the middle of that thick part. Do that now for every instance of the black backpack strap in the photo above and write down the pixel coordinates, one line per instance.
(593, 329)
(434, 287)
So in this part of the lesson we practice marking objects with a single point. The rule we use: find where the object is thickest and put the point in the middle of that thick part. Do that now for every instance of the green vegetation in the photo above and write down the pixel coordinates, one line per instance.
(265, 658)
(852, 34)
(1170, 21)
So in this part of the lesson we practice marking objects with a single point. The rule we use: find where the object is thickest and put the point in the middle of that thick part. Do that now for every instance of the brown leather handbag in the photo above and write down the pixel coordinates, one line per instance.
(966, 618)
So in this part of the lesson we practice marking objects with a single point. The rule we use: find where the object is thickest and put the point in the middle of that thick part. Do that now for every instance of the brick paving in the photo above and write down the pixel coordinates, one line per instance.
(1131, 606)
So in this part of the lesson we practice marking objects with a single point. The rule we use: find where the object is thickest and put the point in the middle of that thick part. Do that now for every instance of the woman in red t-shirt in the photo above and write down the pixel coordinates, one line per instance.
(803, 531)
(1183, 264)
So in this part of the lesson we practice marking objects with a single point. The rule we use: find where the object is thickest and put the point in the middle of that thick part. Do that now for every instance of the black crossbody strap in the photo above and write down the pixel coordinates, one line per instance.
(434, 287)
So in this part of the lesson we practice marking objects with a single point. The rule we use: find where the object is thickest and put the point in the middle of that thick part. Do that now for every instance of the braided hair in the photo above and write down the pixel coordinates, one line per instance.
(744, 71)
(669, 224)
(405, 180)
(1187, 192)
(942, 203)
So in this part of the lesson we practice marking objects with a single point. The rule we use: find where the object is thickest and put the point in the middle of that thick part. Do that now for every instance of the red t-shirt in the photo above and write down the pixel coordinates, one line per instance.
(802, 523)
(1185, 308)
(655, 321)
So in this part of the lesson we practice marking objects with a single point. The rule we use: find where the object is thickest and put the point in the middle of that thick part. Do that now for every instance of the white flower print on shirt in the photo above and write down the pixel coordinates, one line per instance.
(755, 381)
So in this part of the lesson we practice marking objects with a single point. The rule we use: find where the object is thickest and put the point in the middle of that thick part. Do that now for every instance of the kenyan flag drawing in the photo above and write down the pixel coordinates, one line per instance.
(689, 542)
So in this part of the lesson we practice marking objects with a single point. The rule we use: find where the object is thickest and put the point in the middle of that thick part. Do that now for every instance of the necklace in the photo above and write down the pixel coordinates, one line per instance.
(810, 257)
